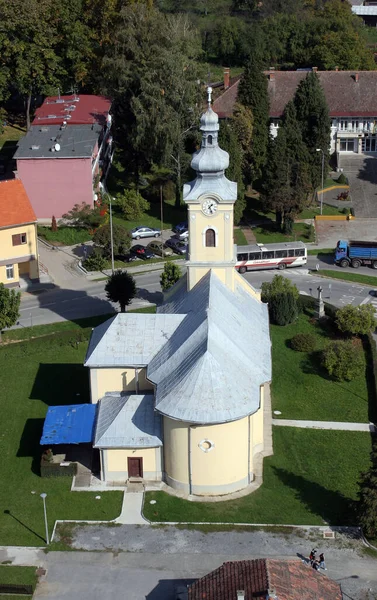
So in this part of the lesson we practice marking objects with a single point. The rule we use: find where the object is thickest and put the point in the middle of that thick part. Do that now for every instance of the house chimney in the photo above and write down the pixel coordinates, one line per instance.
(240, 594)
(271, 74)
(314, 69)
(357, 77)
(226, 77)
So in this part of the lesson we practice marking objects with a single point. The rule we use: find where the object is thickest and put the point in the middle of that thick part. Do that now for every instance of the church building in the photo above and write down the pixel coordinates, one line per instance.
(183, 394)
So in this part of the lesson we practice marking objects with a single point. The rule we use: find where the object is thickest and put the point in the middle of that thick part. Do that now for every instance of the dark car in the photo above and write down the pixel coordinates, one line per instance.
(126, 257)
(180, 227)
(177, 246)
(141, 251)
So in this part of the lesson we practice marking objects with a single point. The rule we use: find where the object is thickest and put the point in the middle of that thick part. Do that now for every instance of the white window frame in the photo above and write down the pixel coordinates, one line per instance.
(11, 269)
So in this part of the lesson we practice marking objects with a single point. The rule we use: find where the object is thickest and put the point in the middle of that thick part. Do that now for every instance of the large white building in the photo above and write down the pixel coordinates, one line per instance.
(351, 97)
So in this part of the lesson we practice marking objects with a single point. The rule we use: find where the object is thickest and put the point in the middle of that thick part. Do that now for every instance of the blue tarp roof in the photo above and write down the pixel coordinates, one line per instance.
(72, 424)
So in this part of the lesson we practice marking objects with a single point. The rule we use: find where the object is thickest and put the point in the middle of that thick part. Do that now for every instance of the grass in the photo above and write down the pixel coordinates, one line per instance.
(9, 139)
(120, 264)
(64, 236)
(267, 233)
(239, 237)
(35, 374)
(256, 212)
(345, 276)
(301, 388)
(311, 479)
(321, 252)
(21, 575)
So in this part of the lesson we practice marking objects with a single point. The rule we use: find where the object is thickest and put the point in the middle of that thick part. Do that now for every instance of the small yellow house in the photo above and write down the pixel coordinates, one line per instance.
(182, 394)
(18, 235)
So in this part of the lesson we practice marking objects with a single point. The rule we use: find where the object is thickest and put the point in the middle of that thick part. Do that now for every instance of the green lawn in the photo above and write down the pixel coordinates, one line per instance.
(9, 139)
(321, 251)
(267, 234)
(256, 212)
(344, 275)
(21, 575)
(64, 236)
(312, 478)
(301, 389)
(239, 237)
(35, 374)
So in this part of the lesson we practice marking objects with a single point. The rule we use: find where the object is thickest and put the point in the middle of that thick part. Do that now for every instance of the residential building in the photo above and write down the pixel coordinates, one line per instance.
(367, 10)
(351, 97)
(64, 153)
(18, 235)
(183, 394)
(264, 578)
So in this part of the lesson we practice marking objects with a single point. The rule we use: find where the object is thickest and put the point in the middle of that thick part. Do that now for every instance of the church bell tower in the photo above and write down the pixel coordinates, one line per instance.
(210, 199)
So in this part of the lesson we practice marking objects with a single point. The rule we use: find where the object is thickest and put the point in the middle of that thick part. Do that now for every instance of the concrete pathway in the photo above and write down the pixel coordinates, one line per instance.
(23, 556)
(326, 425)
(133, 500)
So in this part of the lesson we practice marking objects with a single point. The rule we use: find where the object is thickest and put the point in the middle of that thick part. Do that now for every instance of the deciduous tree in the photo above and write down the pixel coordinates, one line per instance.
(170, 275)
(83, 215)
(132, 204)
(343, 360)
(9, 307)
(121, 239)
(121, 287)
(356, 320)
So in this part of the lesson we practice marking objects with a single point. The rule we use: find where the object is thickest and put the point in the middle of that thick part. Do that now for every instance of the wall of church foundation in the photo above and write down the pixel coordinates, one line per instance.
(117, 380)
(115, 463)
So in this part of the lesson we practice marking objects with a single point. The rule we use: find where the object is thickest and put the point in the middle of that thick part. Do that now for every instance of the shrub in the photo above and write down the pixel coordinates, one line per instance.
(278, 285)
(121, 239)
(342, 179)
(50, 469)
(304, 342)
(96, 261)
(283, 308)
(356, 320)
(54, 226)
(343, 360)
(132, 204)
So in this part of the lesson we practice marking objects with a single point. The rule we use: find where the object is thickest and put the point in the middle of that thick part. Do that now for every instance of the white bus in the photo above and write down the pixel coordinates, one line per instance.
(271, 256)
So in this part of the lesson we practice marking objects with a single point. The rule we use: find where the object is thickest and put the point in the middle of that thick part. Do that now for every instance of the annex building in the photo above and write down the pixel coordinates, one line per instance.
(351, 97)
(183, 394)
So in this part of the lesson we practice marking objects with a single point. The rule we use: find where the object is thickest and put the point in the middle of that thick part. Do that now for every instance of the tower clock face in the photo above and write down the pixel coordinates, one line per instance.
(209, 207)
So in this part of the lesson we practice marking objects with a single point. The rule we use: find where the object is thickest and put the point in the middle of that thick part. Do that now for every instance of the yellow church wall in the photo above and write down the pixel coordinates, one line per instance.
(222, 223)
(207, 459)
(256, 429)
(242, 282)
(117, 380)
(115, 463)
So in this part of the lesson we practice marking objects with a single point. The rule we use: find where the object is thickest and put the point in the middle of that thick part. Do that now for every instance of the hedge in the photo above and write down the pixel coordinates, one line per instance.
(371, 350)
(15, 588)
(50, 469)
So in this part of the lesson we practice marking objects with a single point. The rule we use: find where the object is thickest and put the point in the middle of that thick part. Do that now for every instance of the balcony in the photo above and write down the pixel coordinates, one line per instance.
(370, 128)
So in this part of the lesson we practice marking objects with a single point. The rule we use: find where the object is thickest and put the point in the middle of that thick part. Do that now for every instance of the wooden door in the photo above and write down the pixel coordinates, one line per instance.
(135, 467)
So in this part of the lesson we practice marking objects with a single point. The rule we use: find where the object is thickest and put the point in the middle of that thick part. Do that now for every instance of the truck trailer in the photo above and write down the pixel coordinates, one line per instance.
(355, 254)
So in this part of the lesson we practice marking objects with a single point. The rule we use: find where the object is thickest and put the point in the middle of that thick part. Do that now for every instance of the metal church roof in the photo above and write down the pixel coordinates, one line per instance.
(127, 421)
(212, 368)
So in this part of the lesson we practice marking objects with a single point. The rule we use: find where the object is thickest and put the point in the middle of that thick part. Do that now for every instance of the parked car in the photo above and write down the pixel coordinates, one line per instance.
(141, 251)
(143, 232)
(180, 227)
(160, 249)
(184, 235)
(179, 247)
(126, 257)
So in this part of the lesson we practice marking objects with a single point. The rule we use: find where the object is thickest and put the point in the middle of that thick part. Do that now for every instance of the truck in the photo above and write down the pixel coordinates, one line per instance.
(355, 254)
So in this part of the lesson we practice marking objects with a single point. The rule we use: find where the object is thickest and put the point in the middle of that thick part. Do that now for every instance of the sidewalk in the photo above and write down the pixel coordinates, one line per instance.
(24, 556)
(133, 500)
(335, 425)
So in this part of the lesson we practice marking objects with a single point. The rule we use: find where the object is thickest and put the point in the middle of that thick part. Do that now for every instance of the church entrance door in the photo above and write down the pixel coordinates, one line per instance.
(135, 467)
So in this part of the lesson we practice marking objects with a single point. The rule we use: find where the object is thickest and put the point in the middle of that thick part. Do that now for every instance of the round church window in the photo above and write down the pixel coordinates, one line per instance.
(206, 445)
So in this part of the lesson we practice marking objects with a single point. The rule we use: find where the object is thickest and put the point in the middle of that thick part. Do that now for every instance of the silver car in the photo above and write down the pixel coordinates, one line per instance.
(143, 232)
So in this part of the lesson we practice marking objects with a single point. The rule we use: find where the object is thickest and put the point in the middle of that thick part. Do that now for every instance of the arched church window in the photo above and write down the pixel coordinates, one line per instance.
(209, 139)
(210, 238)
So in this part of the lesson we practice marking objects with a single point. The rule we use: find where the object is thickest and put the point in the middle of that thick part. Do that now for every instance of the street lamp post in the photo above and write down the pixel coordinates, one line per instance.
(43, 496)
(323, 168)
(111, 236)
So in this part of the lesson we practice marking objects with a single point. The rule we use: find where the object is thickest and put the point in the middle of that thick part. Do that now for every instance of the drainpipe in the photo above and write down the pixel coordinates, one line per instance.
(189, 461)
(101, 465)
(137, 381)
(248, 449)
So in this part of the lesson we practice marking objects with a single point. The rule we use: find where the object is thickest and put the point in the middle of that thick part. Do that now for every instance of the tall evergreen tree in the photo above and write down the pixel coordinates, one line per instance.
(313, 116)
(228, 140)
(253, 94)
(367, 509)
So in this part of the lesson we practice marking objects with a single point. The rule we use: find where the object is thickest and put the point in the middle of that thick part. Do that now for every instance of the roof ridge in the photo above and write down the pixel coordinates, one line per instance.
(121, 403)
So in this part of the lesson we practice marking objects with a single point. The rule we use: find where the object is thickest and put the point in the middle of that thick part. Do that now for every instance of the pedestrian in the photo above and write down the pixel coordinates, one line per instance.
(315, 564)
(312, 554)
(322, 564)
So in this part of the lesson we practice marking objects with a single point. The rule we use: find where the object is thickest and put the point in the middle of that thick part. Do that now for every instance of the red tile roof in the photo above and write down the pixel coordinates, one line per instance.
(15, 207)
(285, 579)
(76, 110)
(345, 96)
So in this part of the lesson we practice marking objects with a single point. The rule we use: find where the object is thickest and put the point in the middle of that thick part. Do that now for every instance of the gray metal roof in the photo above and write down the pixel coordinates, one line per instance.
(212, 368)
(129, 339)
(127, 421)
(364, 10)
(75, 141)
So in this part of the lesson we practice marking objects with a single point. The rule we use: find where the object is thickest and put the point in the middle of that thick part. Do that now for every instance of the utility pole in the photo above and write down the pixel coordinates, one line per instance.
(323, 169)
(111, 237)
(162, 212)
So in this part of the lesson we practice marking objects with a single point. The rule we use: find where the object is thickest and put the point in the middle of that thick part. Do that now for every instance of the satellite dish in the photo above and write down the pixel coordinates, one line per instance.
(57, 147)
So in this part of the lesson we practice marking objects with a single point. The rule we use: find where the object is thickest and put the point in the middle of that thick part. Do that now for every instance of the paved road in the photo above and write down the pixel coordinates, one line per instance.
(148, 562)
(361, 171)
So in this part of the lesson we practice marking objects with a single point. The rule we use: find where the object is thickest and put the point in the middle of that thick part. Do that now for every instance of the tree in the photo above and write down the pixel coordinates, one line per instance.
(252, 93)
(9, 307)
(343, 360)
(313, 117)
(283, 308)
(83, 215)
(170, 275)
(121, 287)
(121, 239)
(132, 204)
(367, 508)
(277, 286)
(228, 140)
(356, 320)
